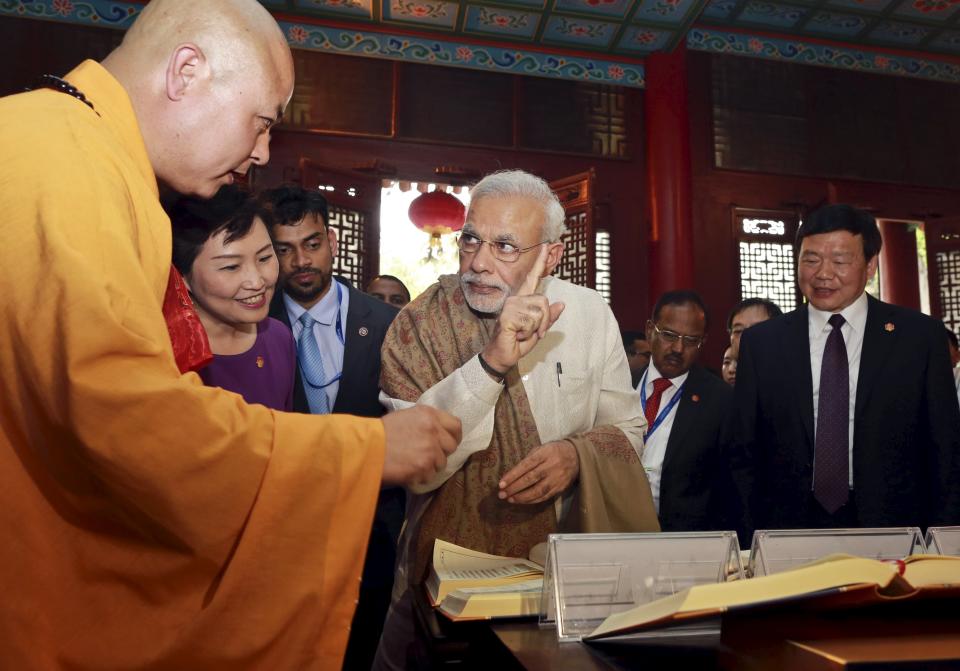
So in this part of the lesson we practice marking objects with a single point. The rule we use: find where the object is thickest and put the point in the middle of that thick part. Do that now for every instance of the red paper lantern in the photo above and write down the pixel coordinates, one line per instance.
(437, 213)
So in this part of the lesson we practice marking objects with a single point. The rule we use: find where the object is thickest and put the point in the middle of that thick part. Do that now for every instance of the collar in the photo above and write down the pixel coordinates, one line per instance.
(653, 374)
(113, 104)
(323, 311)
(854, 314)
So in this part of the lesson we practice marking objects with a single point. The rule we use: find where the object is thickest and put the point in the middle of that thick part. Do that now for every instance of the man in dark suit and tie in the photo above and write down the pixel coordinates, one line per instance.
(687, 410)
(846, 414)
(339, 332)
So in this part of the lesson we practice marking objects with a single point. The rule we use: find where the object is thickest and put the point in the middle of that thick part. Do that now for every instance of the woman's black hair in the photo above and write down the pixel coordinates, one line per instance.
(194, 221)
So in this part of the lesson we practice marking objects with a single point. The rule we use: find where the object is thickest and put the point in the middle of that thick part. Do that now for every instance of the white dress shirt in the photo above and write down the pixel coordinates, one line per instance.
(655, 445)
(855, 316)
(325, 314)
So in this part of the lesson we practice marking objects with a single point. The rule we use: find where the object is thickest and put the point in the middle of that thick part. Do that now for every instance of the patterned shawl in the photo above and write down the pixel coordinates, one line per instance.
(430, 339)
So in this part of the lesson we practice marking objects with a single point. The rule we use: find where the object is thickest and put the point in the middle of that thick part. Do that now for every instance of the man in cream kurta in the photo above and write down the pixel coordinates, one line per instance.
(573, 378)
(534, 368)
(150, 521)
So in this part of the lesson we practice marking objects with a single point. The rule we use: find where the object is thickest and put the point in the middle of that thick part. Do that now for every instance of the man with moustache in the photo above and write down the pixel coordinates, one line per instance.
(339, 332)
(687, 410)
(846, 412)
(534, 368)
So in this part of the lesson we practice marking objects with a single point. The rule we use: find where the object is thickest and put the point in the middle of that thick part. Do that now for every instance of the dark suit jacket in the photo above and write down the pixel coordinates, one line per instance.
(692, 489)
(367, 322)
(906, 435)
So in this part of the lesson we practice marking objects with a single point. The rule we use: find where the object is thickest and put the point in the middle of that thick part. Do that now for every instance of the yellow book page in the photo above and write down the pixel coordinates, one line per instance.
(522, 598)
(450, 558)
(829, 572)
(929, 570)
(455, 567)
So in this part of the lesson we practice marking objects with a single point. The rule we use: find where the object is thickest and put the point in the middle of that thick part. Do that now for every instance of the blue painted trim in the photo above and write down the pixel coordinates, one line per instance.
(477, 57)
(796, 51)
(104, 13)
(114, 14)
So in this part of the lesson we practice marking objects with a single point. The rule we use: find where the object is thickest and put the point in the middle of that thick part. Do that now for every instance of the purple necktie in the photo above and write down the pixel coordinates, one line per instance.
(831, 462)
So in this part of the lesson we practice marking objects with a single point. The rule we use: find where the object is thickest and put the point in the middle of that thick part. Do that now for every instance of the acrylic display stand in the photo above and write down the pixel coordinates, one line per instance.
(943, 540)
(590, 576)
(773, 551)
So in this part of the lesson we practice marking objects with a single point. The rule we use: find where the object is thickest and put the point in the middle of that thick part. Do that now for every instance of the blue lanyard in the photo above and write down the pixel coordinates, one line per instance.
(663, 411)
(339, 330)
(339, 324)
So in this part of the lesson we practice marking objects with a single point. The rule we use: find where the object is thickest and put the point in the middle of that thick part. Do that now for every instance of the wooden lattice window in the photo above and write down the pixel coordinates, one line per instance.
(603, 265)
(352, 260)
(766, 254)
(578, 264)
(943, 256)
(948, 284)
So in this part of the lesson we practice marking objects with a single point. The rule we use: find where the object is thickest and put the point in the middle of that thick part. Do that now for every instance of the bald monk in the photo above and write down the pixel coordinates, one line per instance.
(150, 522)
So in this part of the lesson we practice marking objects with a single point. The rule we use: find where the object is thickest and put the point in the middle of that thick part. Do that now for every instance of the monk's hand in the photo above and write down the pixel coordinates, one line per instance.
(523, 321)
(418, 442)
(545, 473)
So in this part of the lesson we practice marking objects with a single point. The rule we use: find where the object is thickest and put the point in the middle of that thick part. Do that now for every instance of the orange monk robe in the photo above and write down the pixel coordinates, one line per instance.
(148, 521)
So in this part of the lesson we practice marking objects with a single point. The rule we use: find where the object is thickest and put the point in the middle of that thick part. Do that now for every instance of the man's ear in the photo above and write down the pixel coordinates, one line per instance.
(186, 67)
(554, 252)
(332, 239)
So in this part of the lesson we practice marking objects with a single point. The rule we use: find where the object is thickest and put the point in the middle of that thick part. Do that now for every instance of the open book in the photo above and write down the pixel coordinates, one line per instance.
(466, 584)
(837, 579)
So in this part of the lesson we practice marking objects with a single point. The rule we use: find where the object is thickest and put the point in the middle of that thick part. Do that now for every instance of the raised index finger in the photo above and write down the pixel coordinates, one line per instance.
(529, 286)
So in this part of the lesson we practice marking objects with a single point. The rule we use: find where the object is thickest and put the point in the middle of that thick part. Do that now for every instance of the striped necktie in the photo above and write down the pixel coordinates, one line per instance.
(311, 367)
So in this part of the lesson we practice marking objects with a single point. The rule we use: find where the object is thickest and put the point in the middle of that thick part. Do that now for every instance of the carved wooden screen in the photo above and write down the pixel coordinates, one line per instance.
(943, 270)
(578, 264)
(765, 249)
(354, 204)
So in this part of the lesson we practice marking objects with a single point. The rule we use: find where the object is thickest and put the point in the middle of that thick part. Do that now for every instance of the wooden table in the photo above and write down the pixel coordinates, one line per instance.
(536, 649)
(915, 636)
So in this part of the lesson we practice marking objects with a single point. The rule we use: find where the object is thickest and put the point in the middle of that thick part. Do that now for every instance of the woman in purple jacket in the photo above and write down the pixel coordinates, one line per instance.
(222, 248)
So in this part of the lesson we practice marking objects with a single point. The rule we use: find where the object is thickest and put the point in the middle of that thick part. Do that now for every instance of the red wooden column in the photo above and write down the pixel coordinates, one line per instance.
(899, 280)
(668, 172)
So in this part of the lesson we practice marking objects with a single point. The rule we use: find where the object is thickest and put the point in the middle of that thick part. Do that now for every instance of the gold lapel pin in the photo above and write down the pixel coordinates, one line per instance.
(695, 398)
(888, 327)
(363, 330)
(259, 362)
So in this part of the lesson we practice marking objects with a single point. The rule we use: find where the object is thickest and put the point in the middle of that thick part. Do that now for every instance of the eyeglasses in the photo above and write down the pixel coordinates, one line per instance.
(502, 251)
(672, 338)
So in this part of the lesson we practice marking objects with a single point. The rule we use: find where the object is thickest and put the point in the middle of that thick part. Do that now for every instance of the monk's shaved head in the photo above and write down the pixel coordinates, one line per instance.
(235, 33)
(207, 80)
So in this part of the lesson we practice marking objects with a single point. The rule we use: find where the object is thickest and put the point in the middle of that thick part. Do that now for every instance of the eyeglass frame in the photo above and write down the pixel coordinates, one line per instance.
(493, 247)
(672, 337)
